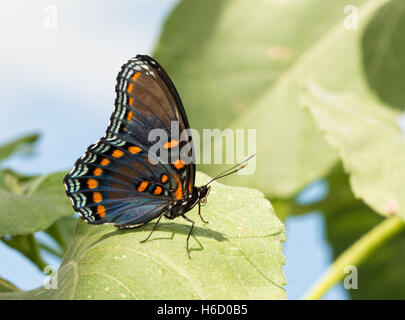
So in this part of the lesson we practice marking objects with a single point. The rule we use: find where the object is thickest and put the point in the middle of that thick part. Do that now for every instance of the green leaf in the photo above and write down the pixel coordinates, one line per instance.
(28, 246)
(6, 286)
(17, 145)
(240, 64)
(32, 247)
(383, 53)
(30, 204)
(62, 231)
(369, 143)
(380, 276)
(238, 255)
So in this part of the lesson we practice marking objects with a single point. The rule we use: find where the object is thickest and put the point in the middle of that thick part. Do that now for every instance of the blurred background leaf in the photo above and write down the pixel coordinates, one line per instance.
(28, 246)
(243, 74)
(369, 142)
(6, 286)
(62, 232)
(30, 204)
(383, 52)
(380, 276)
(23, 144)
(224, 53)
(33, 246)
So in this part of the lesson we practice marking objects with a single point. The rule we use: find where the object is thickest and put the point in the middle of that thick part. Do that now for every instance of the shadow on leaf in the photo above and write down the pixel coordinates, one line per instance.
(167, 227)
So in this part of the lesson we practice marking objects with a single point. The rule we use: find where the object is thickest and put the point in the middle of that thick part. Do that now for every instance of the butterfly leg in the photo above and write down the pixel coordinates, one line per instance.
(153, 229)
(199, 213)
(189, 234)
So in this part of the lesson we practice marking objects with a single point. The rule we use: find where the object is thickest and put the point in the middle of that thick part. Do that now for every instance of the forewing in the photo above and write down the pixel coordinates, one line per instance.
(146, 100)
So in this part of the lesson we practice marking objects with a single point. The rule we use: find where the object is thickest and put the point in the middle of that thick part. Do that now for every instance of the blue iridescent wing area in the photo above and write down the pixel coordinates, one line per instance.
(114, 181)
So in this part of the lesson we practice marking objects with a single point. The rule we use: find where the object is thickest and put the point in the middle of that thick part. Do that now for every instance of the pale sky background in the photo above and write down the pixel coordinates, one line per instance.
(60, 82)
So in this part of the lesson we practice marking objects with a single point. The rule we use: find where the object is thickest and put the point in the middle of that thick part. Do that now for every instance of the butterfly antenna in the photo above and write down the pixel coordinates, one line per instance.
(232, 170)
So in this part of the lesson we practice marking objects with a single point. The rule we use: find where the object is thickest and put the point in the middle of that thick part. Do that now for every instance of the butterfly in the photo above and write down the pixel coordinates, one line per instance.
(116, 181)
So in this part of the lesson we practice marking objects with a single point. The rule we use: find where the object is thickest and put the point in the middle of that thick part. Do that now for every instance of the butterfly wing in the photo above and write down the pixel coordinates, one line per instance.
(143, 83)
(115, 181)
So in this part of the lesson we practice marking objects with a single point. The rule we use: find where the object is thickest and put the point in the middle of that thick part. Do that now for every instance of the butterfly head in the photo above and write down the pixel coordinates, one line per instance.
(202, 193)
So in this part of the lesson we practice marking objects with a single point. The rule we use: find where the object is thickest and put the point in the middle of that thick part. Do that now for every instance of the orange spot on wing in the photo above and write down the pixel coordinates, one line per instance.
(131, 102)
(98, 172)
(142, 186)
(92, 183)
(129, 116)
(158, 190)
(105, 162)
(178, 164)
(164, 178)
(189, 187)
(130, 87)
(135, 76)
(101, 211)
(134, 149)
(171, 144)
(97, 197)
(117, 153)
(179, 190)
